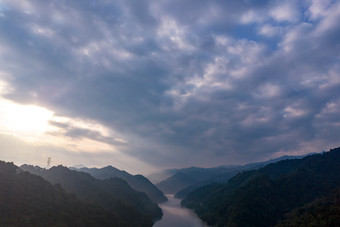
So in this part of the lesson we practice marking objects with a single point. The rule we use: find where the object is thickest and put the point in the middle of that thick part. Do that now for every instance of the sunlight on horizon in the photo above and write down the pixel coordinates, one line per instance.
(32, 123)
(25, 121)
(38, 128)
(36, 124)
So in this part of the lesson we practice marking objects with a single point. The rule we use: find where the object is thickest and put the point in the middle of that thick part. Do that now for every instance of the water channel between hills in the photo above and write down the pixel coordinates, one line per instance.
(176, 216)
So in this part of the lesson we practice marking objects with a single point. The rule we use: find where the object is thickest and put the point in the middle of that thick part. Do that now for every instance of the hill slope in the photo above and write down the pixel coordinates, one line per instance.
(137, 182)
(322, 212)
(115, 195)
(29, 200)
(186, 180)
(262, 197)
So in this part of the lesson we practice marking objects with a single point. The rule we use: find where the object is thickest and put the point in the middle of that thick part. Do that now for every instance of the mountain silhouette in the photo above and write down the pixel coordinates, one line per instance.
(137, 182)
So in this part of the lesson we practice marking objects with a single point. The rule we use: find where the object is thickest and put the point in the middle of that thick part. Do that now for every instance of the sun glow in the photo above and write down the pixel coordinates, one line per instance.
(34, 124)
(23, 120)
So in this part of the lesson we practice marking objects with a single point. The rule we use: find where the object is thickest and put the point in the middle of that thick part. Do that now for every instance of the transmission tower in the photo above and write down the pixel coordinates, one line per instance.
(48, 162)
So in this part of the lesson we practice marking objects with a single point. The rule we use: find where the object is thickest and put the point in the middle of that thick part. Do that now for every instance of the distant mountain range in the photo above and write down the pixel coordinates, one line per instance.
(114, 195)
(137, 182)
(161, 175)
(183, 181)
(296, 192)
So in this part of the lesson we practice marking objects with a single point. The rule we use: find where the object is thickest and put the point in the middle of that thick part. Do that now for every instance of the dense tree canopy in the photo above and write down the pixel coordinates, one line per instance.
(114, 194)
(29, 200)
(262, 197)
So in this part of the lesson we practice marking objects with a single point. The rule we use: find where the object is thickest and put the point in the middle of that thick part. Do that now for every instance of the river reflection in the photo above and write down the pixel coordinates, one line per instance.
(176, 216)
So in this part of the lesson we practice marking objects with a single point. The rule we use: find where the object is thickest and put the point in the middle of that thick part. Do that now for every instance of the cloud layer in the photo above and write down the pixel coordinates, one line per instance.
(180, 83)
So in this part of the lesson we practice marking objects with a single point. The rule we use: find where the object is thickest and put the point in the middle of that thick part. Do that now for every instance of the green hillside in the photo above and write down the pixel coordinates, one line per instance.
(115, 195)
(29, 200)
(262, 197)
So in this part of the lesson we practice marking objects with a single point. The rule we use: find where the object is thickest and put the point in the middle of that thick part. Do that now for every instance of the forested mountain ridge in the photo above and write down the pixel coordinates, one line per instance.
(114, 194)
(183, 181)
(137, 182)
(262, 197)
(29, 200)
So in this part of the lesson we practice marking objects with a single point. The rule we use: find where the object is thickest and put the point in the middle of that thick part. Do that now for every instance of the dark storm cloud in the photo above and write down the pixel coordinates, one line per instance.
(210, 82)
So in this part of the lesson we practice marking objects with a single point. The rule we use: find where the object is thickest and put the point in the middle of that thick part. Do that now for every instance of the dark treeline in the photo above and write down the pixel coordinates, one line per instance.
(114, 194)
(69, 198)
(264, 197)
(29, 200)
(322, 212)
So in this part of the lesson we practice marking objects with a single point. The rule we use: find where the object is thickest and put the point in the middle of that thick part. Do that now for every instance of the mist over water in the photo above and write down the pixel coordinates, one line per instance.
(175, 215)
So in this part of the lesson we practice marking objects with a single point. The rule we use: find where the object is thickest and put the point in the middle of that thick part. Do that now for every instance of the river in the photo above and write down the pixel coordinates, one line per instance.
(176, 216)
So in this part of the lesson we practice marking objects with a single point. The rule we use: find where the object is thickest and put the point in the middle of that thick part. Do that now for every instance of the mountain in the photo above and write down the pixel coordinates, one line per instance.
(137, 182)
(214, 178)
(262, 197)
(29, 200)
(185, 180)
(114, 194)
(191, 177)
(161, 175)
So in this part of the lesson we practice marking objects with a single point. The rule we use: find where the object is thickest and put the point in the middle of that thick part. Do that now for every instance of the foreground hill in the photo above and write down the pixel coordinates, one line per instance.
(29, 200)
(137, 182)
(322, 212)
(262, 197)
(114, 194)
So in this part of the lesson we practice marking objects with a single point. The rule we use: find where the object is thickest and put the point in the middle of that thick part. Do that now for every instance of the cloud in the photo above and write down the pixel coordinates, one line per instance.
(173, 83)
(97, 133)
(318, 8)
(270, 30)
(285, 12)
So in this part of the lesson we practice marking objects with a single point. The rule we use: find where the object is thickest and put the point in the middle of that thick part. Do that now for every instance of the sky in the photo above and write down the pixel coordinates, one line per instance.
(153, 84)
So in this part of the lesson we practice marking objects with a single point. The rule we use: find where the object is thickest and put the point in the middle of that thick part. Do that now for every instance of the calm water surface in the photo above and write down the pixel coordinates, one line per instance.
(176, 216)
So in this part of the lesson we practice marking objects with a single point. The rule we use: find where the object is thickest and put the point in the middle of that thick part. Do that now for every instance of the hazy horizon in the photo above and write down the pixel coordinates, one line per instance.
(148, 85)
